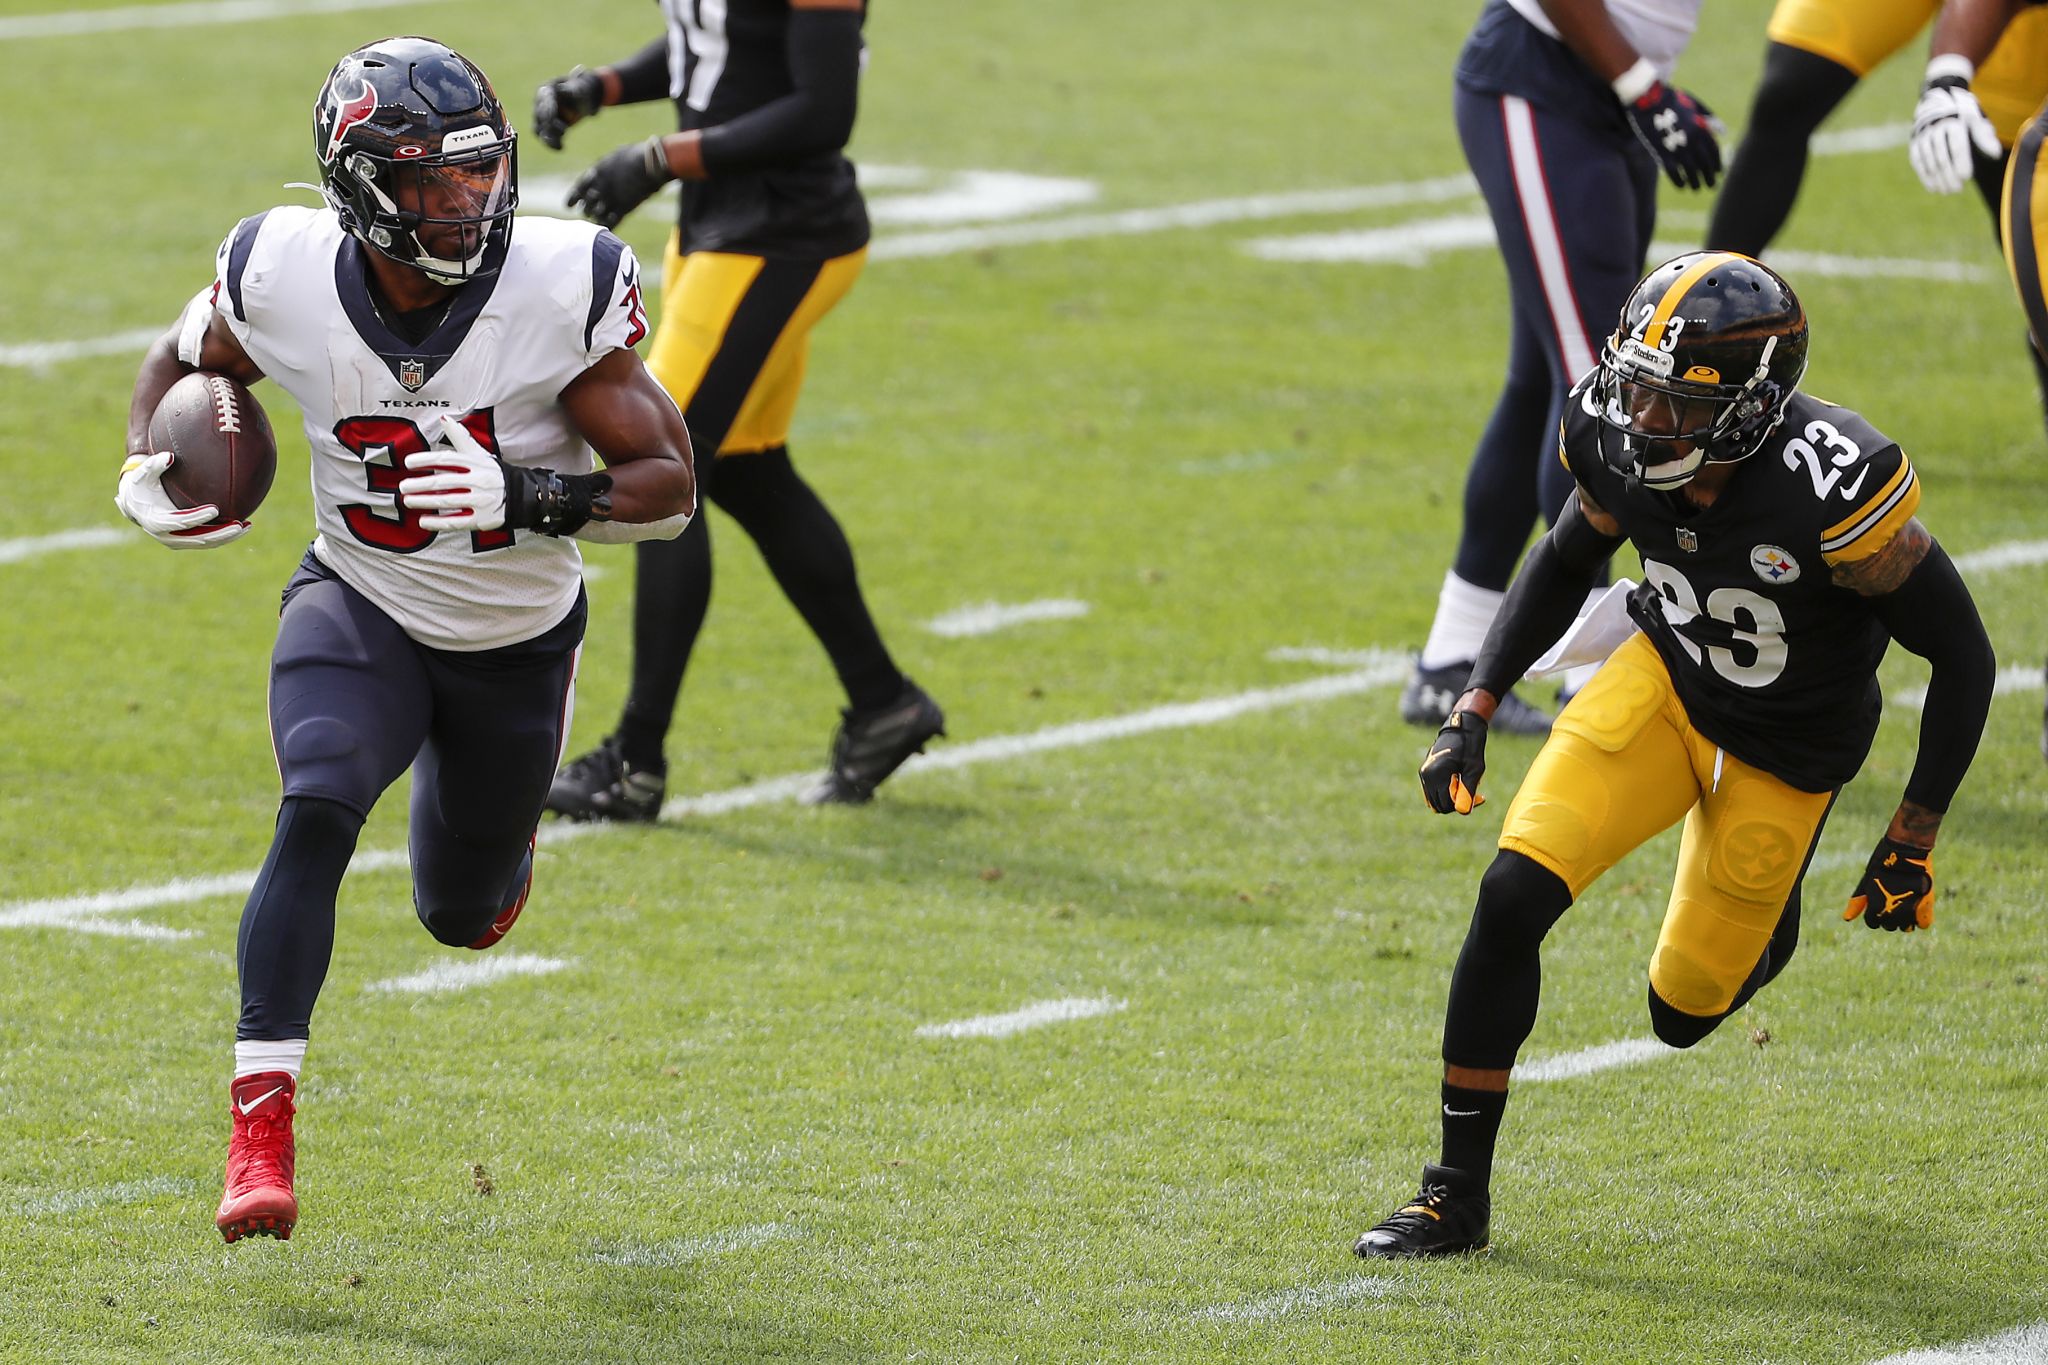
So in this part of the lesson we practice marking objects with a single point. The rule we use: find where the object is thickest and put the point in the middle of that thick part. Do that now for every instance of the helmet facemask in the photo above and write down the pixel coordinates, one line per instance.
(1673, 422)
(438, 212)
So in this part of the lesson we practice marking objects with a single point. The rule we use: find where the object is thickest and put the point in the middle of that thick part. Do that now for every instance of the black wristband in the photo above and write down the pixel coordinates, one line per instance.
(555, 504)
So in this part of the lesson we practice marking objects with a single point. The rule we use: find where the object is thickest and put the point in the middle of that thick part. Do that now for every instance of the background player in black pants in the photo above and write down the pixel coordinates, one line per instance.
(773, 233)
(1565, 119)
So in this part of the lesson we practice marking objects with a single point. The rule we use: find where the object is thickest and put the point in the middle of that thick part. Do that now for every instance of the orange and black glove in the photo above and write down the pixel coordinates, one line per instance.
(1897, 889)
(1456, 761)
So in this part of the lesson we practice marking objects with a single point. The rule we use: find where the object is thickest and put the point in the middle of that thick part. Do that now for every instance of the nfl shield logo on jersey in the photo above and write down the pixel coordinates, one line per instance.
(412, 374)
(1773, 565)
(1687, 541)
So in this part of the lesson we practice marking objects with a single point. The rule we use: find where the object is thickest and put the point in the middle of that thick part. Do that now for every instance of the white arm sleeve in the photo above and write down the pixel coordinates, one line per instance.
(622, 532)
(192, 325)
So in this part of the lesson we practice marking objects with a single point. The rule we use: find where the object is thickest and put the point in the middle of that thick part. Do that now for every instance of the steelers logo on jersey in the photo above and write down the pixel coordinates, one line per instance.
(1773, 565)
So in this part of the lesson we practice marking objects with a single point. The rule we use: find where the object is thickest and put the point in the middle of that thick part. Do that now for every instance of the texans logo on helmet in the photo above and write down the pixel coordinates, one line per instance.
(349, 110)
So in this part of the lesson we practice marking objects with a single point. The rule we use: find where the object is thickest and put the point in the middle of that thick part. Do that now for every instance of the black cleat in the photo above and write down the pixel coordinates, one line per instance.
(602, 785)
(1430, 693)
(867, 748)
(1446, 1219)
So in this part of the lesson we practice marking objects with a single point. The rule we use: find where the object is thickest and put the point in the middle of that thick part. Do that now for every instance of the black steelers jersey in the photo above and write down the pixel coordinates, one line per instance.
(727, 58)
(1773, 661)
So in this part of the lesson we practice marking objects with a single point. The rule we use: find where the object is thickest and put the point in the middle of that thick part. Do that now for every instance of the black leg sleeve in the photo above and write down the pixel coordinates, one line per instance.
(671, 595)
(813, 564)
(287, 934)
(1495, 985)
(1797, 91)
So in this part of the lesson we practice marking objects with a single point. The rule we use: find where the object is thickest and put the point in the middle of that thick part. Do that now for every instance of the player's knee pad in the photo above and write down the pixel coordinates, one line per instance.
(456, 923)
(320, 756)
(1519, 900)
(455, 910)
(1675, 1027)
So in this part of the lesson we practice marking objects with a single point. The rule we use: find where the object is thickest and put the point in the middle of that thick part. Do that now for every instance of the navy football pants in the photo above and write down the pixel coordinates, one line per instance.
(1573, 206)
(354, 702)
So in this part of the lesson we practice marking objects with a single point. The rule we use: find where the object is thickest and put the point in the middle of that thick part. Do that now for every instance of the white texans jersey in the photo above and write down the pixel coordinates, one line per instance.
(1657, 29)
(294, 289)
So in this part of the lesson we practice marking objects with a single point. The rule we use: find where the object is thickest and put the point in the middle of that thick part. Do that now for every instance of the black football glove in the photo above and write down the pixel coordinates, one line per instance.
(563, 101)
(621, 182)
(1456, 762)
(1897, 889)
(1680, 132)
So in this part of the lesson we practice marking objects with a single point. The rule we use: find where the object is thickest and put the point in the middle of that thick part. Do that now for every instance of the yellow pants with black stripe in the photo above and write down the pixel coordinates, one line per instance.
(2022, 216)
(734, 336)
(1623, 763)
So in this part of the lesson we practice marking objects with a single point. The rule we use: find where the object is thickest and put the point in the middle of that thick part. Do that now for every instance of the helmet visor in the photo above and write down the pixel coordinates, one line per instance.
(455, 203)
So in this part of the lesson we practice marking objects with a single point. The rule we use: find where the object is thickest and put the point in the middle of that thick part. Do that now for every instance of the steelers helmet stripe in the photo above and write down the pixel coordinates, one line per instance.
(1653, 334)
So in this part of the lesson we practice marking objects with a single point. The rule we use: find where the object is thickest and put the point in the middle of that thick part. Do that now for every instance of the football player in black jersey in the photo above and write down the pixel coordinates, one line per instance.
(1781, 556)
(773, 233)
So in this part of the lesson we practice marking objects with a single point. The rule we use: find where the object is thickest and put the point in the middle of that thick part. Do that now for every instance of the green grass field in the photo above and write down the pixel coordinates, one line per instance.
(703, 1124)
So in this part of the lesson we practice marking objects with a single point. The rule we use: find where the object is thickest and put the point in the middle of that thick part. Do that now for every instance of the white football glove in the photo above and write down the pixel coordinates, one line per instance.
(1947, 124)
(462, 487)
(142, 499)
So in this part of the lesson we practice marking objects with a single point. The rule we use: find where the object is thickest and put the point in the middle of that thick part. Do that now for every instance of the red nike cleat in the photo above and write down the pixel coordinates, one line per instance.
(502, 925)
(258, 1200)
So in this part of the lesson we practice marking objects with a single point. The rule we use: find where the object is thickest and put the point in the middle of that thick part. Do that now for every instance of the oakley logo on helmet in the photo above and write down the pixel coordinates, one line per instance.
(349, 110)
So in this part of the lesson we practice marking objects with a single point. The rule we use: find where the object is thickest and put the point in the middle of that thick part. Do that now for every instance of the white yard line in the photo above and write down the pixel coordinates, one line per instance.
(85, 538)
(1585, 1062)
(2027, 1345)
(2019, 678)
(36, 354)
(64, 25)
(126, 1192)
(1306, 1299)
(2013, 554)
(986, 618)
(662, 1254)
(72, 911)
(1202, 213)
(1035, 1015)
(459, 974)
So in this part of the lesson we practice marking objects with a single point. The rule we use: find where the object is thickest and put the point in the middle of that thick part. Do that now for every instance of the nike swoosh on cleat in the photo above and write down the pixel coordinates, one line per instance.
(250, 1105)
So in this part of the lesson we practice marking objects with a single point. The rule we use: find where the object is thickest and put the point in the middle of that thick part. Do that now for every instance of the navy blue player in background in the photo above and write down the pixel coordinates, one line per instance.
(1566, 118)
(773, 232)
(454, 376)
(1781, 557)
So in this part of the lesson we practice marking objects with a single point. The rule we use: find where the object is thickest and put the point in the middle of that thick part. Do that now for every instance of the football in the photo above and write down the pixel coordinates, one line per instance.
(225, 452)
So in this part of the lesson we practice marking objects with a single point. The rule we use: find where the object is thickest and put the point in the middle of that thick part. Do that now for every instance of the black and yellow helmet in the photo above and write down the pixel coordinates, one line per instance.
(1709, 349)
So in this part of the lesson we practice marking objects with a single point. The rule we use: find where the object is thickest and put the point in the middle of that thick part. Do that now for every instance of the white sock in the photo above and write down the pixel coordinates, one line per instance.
(253, 1056)
(1464, 613)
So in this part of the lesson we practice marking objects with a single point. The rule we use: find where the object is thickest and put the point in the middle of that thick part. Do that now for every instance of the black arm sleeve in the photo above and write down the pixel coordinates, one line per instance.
(644, 75)
(1932, 614)
(1544, 599)
(817, 116)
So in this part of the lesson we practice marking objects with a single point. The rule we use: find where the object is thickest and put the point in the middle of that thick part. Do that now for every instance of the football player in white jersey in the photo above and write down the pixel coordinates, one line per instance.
(455, 375)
